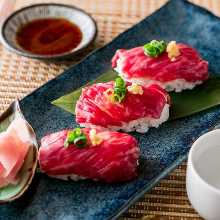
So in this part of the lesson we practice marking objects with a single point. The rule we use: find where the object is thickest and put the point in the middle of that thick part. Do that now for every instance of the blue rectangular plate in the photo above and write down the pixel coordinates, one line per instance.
(161, 149)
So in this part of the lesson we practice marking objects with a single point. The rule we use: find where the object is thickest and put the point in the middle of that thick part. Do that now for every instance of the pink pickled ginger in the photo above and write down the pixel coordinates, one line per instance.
(14, 145)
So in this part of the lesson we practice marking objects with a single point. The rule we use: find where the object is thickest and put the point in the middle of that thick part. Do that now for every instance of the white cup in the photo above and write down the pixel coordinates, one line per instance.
(203, 175)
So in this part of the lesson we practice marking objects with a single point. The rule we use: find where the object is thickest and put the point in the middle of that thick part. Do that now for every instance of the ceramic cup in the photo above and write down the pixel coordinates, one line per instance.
(203, 175)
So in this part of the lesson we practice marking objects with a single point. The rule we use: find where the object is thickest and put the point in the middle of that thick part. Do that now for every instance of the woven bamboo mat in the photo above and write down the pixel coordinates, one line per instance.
(19, 76)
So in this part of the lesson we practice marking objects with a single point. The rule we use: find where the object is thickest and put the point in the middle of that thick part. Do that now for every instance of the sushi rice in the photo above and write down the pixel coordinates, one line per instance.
(140, 125)
(73, 177)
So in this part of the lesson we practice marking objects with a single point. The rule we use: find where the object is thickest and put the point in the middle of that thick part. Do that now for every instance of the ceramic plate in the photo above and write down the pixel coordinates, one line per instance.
(161, 149)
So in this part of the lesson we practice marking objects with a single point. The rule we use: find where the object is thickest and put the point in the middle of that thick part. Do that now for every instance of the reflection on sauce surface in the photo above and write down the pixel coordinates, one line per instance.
(49, 36)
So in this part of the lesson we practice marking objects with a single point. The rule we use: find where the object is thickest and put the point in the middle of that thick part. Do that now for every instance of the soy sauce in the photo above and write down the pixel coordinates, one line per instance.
(49, 36)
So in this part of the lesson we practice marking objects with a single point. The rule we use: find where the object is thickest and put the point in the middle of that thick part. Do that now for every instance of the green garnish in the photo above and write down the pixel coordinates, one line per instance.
(119, 82)
(76, 137)
(119, 89)
(155, 48)
(80, 141)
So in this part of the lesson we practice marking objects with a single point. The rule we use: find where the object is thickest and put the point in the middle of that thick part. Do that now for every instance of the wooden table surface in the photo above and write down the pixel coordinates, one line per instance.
(19, 76)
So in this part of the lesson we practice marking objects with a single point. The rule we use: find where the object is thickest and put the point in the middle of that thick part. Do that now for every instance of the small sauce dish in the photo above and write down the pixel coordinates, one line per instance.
(203, 175)
(48, 31)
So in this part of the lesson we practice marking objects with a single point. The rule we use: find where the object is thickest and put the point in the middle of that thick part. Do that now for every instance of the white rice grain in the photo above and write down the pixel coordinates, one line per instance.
(73, 177)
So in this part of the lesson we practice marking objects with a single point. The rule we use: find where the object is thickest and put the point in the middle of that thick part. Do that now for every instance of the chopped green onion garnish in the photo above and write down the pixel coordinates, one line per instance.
(80, 141)
(118, 98)
(155, 48)
(77, 131)
(119, 89)
(119, 82)
(70, 136)
(76, 137)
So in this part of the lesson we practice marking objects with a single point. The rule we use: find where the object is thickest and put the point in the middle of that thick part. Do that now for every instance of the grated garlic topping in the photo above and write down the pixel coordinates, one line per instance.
(95, 138)
(135, 89)
(172, 50)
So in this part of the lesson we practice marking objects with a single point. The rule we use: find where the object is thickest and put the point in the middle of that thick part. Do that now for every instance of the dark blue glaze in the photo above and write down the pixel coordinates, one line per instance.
(161, 149)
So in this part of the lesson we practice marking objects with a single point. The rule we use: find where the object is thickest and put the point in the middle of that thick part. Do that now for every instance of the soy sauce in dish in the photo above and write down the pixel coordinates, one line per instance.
(49, 36)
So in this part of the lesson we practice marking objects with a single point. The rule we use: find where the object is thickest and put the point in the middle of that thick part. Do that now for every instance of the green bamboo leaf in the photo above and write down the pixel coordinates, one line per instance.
(200, 98)
(68, 102)
(184, 104)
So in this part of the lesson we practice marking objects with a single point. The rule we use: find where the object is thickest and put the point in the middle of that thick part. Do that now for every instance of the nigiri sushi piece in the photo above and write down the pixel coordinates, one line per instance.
(14, 146)
(89, 154)
(142, 107)
(175, 67)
